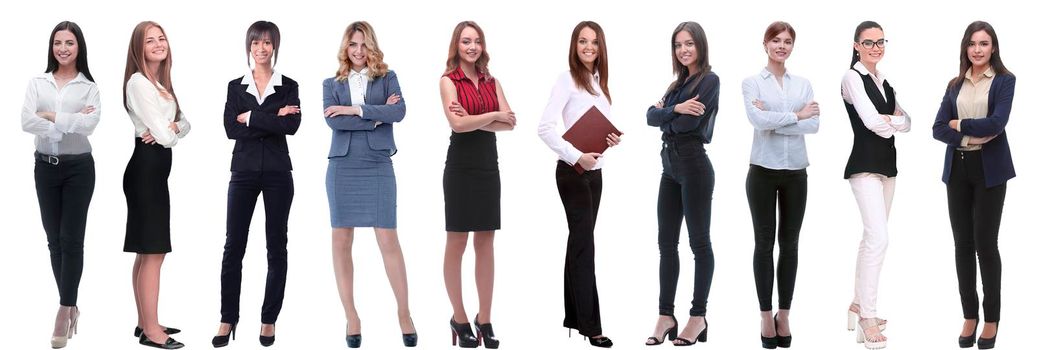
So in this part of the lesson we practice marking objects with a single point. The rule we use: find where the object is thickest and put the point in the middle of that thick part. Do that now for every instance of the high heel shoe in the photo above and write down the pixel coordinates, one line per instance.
(265, 340)
(220, 341)
(170, 343)
(670, 333)
(853, 315)
(353, 340)
(969, 341)
(600, 341)
(137, 331)
(868, 341)
(783, 341)
(988, 343)
(770, 342)
(60, 341)
(461, 334)
(700, 338)
(484, 334)
(410, 340)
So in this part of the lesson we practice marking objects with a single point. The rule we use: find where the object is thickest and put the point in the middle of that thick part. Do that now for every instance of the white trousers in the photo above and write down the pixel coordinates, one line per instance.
(874, 194)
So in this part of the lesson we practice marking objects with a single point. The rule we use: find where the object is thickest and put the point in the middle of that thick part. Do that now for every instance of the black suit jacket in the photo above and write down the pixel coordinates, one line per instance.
(261, 145)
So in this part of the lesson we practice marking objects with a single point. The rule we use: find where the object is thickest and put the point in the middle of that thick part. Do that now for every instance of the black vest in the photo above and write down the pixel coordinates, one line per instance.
(872, 153)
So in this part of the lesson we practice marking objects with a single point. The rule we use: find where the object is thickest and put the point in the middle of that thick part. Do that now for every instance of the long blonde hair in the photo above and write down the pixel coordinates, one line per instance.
(136, 62)
(375, 66)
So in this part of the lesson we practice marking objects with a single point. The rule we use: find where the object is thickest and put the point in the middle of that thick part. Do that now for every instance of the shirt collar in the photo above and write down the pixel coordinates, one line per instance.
(860, 68)
(80, 77)
(247, 79)
(765, 73)
(989, 73)
(364, 73)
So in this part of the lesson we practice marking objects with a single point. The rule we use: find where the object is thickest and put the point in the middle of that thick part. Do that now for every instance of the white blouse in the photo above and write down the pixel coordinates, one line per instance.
(358, 88)
(149, 111)
(67, 134)
(854, 93)
(567, 104)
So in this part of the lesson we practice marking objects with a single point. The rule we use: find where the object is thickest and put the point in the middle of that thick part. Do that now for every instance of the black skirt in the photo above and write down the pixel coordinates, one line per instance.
(471, 183)
(147, 199)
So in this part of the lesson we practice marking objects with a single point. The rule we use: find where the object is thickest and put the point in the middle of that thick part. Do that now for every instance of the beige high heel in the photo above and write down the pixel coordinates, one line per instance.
(871, 341)
(71, 327)
(853, 315)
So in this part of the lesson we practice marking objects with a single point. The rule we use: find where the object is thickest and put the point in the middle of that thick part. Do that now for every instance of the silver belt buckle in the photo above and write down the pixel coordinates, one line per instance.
(53, 160)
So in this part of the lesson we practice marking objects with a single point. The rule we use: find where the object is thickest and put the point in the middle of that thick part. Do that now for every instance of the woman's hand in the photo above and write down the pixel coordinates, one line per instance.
(47, 115)
(287, 110)
(588, 160)
(335, 111)
(759, 105)
(147, 138)
(241, 117)
(691, 107)
(175, 128)
(457, 109)
(507, 117)
(393, 99)
(87, 110)
(809, 111)
(981, 140)
(612, 140)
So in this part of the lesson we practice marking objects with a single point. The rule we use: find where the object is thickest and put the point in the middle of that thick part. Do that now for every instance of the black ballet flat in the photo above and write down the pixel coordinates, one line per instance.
(169, 344)
(137, 331)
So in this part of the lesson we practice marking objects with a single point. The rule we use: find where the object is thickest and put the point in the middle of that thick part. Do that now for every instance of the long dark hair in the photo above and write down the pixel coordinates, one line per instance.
(856, 56)
(701, 51)
(580, 74)
(995, 56)
(81, 65)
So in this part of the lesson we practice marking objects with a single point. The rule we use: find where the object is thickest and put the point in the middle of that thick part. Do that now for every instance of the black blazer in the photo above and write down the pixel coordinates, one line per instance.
(261, 145)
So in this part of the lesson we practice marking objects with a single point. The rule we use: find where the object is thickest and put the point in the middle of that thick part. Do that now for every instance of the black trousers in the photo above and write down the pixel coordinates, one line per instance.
(685, 194)
(581, 194)
(975, 212)
(278, 190)
(785, 191)
(64, 191)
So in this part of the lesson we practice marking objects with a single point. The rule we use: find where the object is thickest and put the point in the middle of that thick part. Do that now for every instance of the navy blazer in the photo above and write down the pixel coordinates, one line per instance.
(261, 145)
(336, 93)
(997, 158)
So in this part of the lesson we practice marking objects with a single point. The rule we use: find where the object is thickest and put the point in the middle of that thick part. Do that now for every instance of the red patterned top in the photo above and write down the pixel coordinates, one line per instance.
(475, 101)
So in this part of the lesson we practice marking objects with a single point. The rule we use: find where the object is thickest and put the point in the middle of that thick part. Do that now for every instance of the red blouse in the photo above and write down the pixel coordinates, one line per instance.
(475, 101)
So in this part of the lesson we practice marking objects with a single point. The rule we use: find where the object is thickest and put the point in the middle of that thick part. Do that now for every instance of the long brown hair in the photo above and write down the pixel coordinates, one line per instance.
(135, 62)
(698, 36)
(856, 56)
(453, 60)
(376, 67)
(580, 74)
(995, 56)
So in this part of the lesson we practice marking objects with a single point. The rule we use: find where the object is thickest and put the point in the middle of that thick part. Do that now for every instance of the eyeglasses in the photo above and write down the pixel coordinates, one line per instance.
(868, 44)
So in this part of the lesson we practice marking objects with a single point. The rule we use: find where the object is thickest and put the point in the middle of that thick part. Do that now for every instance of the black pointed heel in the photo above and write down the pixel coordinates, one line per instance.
(220, 341)
(987, 343)
(353, 341)
(783, 341)
(461, 334)
(484, 333)
(410, 340)
(969, 341)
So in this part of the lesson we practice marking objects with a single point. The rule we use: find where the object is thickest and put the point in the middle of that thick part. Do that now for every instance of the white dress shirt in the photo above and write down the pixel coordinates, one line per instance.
(778, 141)
(358, 88)
(67, 134)
(567, 104)
(252, 89)
(854, 93)
(150, 111)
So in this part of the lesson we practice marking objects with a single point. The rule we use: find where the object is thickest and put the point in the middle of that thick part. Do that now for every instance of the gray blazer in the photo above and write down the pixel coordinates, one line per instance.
(379, 137)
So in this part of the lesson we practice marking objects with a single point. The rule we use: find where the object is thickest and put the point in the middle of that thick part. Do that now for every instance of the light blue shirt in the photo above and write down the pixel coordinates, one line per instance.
(778, 141)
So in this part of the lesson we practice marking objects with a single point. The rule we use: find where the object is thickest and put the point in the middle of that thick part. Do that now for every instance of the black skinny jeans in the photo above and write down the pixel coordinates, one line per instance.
(64, 192)
(975, 212)
(685, 194)
(785, 191)
(581, 194)
(278, 190)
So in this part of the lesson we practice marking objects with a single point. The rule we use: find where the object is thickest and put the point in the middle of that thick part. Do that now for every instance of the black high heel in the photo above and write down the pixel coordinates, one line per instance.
(265, 340)
(987, 343)
(969, 341)
(353, 340)
(700, 338)
(220, 341)
(670, 333)
(484, 333)
(601, 342)
(410, 340)
(169, 344)
(462, 333)
(137, 331)
(783, 341)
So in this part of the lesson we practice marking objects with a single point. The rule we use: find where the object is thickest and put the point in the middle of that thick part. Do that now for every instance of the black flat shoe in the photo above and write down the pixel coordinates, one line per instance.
(969, 341)
(353, 341)
(783, 341)
(137, 331)
(484, 334)
(169, 344)
(670, 333)
(410, 340)
(461, 334)
(601, 342)
(987, 343)
(220, 341)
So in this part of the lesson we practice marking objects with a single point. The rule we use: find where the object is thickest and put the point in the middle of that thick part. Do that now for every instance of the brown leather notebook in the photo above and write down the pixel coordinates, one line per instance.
(588, 134)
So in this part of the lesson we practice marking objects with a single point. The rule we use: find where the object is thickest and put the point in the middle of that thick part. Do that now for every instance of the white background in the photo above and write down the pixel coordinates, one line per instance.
(528, 44)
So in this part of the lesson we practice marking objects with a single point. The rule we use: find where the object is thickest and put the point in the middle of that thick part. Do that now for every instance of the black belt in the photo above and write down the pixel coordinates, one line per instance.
(55, 160)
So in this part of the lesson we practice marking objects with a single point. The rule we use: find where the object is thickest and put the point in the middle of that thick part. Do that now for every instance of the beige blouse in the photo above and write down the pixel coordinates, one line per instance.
(972, 101)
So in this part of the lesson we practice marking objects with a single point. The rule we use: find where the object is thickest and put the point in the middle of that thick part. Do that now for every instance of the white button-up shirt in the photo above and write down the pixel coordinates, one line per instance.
(567, 104)
(149, 111)
(252, 89)
(854, 93)
(358, 88)
(778, 141)
(67, 134)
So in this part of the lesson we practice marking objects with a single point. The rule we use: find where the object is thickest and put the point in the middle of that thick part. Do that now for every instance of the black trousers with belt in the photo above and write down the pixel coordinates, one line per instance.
(975, 212)
(64, 191)
(278, 190)
(581, 194)
(685, 194)
(784, 191)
